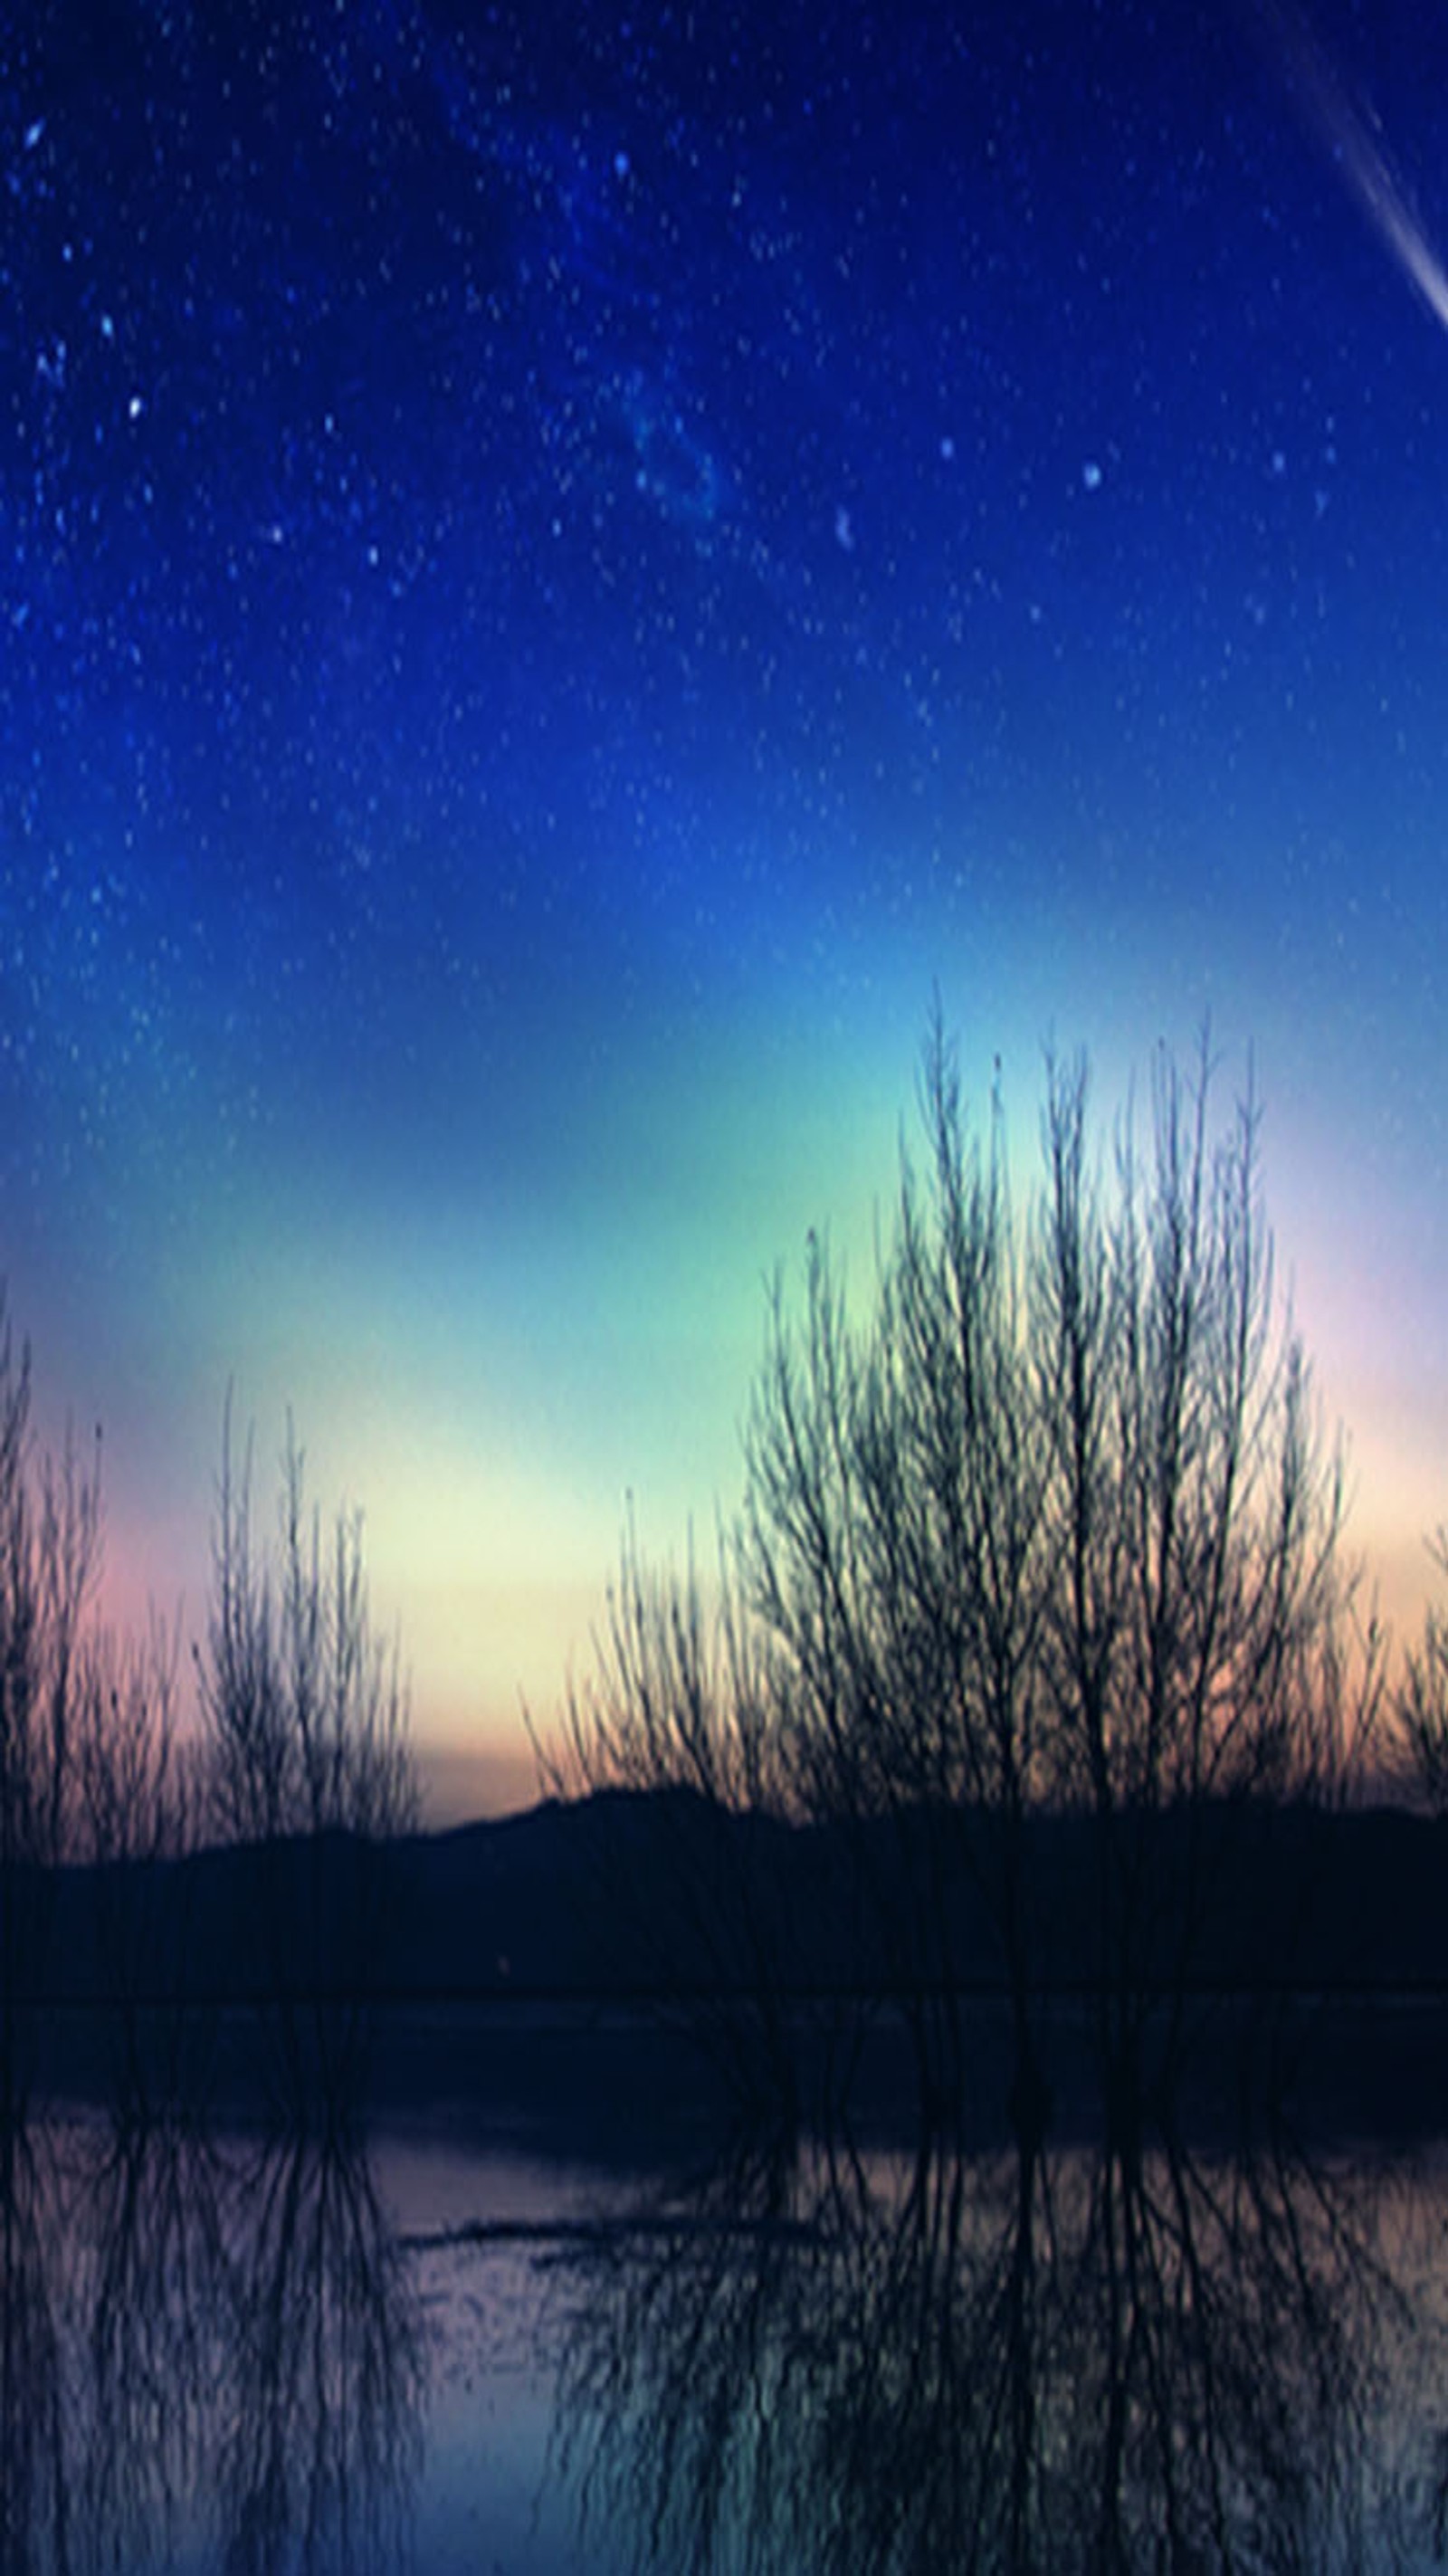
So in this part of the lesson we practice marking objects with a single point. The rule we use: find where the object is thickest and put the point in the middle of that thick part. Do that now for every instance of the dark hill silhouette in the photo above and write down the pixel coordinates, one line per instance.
(635, 1894)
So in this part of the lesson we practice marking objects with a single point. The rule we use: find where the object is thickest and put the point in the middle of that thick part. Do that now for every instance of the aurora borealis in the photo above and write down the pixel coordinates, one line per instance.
(563, 569)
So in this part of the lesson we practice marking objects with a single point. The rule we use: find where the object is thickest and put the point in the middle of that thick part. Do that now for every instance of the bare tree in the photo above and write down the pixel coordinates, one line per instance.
(308, 1756)
(1196, 1643)
(306, 1710)
(1422, 1699)
(1052, 1528)
(895, 1554)
(50, 1539)
(135, 1793)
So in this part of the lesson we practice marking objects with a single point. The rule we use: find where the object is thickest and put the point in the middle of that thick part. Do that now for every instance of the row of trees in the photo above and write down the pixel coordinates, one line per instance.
(1054, 1527)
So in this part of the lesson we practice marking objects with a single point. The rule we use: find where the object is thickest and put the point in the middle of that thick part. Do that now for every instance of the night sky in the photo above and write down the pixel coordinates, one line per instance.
(563, 569)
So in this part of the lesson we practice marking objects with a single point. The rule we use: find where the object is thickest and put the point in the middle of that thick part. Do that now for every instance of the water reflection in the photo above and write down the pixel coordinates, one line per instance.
(222, 2352)
(33, 2508)
(1074, 2361)
(146, 2285)
(206, 2353)
(318, 2456)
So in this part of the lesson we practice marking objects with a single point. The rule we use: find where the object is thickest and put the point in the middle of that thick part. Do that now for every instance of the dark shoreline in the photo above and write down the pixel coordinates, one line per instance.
(612, 2081)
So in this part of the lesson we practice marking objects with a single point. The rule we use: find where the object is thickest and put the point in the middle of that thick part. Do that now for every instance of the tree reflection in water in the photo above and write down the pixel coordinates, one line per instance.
(146, 2286)
(33, 2496)
(201, 2351)
(213, 2355)
(1037, 2362)
(320, 2448)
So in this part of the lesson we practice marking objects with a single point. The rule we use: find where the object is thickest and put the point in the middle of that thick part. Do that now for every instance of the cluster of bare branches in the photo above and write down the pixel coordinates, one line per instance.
(303, 1735)
(50, 1532)
(1054, 1527)
(307, 1757)
(1423, 1700)
(49, 1561)
(1058, 1524)
(306, 1711)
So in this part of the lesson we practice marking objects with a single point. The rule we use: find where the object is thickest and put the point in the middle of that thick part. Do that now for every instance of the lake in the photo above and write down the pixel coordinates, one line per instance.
(526, 2331)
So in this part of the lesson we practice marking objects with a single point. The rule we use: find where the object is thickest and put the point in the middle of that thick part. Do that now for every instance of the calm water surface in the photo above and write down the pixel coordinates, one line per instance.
(434, 2348)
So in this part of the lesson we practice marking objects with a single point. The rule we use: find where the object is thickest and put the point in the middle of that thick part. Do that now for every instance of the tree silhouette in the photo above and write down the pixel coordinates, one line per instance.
(50, 1535)
(306, 1710)
(1052, 1527)
(1422, 1700)
(308, 1760)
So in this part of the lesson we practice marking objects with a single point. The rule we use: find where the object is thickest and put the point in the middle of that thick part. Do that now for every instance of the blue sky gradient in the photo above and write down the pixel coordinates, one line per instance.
(562, 573)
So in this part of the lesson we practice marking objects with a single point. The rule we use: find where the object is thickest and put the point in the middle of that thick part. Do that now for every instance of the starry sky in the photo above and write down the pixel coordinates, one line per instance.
(564, 568)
